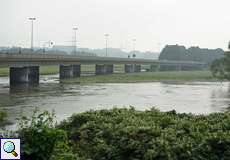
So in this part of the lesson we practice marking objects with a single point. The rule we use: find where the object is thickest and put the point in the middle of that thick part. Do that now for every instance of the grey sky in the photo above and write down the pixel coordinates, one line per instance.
(187, 22)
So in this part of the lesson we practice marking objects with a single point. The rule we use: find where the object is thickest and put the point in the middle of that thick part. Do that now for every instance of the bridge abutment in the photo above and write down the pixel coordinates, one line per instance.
(70, 71)
(103, 69)
(20, 75)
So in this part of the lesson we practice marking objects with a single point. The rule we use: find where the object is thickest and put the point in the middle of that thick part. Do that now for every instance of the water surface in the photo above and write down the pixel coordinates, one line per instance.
(66, 99)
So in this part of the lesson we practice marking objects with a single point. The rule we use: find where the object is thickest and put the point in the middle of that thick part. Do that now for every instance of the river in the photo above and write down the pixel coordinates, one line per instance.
(66, 99)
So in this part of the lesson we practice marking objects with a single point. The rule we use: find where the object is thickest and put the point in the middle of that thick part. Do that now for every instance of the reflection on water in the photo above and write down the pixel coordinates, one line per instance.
(66, 99)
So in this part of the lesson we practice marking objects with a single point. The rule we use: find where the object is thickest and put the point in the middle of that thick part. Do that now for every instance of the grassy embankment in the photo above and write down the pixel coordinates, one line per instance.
(131, 77)
(44, 70)
(121, 134)
(146, 77)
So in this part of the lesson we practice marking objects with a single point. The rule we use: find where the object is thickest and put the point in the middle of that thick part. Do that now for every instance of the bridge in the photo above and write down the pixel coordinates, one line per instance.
(24, 68)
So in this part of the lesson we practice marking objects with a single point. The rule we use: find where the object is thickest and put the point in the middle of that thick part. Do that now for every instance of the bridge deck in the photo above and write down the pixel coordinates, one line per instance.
(8, 60)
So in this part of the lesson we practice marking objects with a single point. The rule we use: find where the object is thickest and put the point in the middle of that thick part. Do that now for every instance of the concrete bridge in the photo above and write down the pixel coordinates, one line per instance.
(24, 68)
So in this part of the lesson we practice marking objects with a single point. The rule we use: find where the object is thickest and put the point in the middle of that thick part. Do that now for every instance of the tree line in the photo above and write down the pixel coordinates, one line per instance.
(180, 53)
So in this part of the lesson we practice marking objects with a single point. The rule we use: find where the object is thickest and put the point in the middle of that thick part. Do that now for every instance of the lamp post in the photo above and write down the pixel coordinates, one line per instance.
(75, 40)
(106, 44)
(134, 42)
(32, 19)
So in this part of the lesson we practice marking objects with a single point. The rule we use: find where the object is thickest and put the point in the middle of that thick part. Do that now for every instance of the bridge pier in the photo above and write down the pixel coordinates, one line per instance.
(130, 68)
(70, 71)
(102, 69)
(137, 68)
(20, 75)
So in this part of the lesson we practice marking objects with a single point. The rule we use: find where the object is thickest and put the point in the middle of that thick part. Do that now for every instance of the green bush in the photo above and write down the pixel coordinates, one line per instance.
(3, 115)
(127, 134)
(41, 140)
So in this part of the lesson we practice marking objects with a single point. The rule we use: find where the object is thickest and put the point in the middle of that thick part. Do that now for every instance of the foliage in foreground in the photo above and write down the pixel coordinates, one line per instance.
(3, 115)
(130, 134)
(41, 140)
(127, 134)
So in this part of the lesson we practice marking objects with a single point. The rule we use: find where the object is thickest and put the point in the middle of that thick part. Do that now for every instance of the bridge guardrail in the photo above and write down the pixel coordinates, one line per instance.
(91, 59)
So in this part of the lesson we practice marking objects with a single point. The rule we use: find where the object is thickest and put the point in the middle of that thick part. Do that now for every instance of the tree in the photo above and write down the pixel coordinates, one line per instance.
(220, 68)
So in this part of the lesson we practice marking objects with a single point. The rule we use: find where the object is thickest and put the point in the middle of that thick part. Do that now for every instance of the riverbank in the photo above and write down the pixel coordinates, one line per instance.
(44, 70)
(126, 134)
(126, 77)
(146, 77)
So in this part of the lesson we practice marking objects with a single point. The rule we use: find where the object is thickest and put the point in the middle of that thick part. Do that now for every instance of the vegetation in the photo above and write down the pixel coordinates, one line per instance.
(3, 115)
(4, 72)
(3, 118)
(127, 134)
(176, 52)
(47, 70)
(146, 77)
(41, 140)
(44, 70)
(221, 68)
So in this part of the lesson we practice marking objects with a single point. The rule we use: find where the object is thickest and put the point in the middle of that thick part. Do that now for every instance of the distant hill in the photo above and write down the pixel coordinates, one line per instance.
(180, 53)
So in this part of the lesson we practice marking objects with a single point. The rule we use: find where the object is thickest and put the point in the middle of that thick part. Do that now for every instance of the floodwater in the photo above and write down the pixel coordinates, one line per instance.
(66, 99)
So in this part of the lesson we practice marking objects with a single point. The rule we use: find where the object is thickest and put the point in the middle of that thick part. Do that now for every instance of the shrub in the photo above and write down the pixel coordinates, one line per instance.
(3, 115)
(129, 134)
(126, 134)
(41, 140)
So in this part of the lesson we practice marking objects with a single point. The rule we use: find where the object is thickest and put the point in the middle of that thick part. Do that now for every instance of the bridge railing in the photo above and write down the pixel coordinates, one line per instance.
(92, 59)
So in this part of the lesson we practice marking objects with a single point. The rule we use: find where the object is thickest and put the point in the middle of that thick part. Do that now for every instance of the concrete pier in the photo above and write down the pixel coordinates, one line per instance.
(20, 75)
(70, 71)
(129, 68)
(137, 68)
(109, 69)
(103, 69)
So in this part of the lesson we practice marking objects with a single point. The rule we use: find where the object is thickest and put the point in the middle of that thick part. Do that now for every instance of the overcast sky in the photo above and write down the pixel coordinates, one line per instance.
(153, 23)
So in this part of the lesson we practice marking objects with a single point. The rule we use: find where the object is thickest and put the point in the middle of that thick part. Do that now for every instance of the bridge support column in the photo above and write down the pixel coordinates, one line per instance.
(20, 75)
(129, 68)
(109, 68)
(71, 71)
(137, 68)
(102, 69)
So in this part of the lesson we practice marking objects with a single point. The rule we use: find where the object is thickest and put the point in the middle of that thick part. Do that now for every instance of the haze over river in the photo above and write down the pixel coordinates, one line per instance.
(66, 99)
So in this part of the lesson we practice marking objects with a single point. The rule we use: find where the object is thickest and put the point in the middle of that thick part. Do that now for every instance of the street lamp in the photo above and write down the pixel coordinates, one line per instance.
(134, 40)
(75, 40)
(32, 19)
(106, 44)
